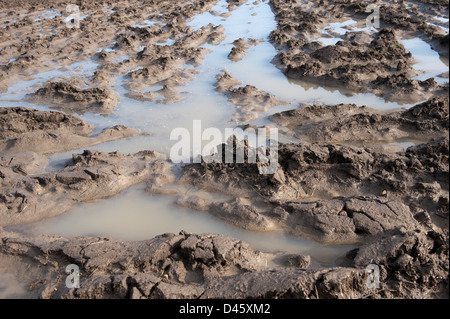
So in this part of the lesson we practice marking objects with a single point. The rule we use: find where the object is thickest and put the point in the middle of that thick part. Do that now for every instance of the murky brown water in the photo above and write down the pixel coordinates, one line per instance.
(135, 214)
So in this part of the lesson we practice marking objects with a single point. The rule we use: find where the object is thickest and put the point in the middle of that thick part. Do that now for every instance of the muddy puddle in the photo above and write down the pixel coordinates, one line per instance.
(429, 63)
(151, 215)
(135, 214)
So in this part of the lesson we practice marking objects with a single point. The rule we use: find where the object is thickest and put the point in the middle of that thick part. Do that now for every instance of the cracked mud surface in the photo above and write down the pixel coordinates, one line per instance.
(340, 177)
(367, 62)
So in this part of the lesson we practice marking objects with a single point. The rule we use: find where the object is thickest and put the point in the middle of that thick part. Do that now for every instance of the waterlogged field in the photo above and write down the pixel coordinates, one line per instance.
(355, 103)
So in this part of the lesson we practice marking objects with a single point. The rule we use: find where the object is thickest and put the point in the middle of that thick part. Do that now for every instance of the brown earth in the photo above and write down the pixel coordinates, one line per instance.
(392, 205)
(46, 132)
(362, 62)
(412, 265)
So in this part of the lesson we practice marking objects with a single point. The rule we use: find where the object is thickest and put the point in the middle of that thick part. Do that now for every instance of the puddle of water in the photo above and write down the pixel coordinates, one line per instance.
(150, 215)
(123, 58)
(204, 102)
(11, 288)
(108, 49)
(168, 42)
(49, 14)
(134, 214)
(69, 18)
(339, 27)
(442, 19)
(443, 23)
(145, 23)
(332, 33)
(207, 17)
(329, 40)
(429, 61)
(256, 68)
(19, 90)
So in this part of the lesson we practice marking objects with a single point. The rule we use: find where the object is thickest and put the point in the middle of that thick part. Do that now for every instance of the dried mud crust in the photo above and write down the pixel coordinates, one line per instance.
(45, 132)
(362, 62)
(412, 265)
(347, 123)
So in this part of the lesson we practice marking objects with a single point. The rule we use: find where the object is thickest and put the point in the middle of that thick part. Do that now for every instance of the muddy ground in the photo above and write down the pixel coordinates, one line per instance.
(342, 184)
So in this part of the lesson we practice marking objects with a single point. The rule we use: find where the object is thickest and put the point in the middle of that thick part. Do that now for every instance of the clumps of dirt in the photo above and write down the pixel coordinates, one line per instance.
(91, 175)
(411, 265)
(412, 17)
(247, 99)
(250, 95)
(239, 49)
(362, 62)
(382, 66)
(233, 4)
(347, 123)
(414, 182)
(164, 65)
(395, 205)
(161, 69)
(46, 132)
(69, 98)
(33, 43)
(225, 81)
(296, 118)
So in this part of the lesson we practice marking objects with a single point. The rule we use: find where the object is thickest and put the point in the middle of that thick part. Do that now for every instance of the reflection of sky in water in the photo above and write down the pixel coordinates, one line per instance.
(207, 17)
(20, 89)
(428, 60)
(11, 288)
(145, 23)
(137, 215)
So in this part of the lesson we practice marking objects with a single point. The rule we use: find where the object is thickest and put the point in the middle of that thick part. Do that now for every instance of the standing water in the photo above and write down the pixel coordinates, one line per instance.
(135, 214)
